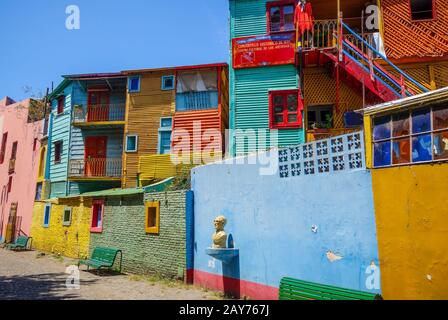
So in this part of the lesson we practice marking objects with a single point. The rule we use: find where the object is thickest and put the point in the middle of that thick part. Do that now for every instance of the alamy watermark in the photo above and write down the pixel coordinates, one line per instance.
(73, 20)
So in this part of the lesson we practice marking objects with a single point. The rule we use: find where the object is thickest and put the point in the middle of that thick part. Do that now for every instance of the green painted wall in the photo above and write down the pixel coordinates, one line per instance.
(124, 228)
(249, 88)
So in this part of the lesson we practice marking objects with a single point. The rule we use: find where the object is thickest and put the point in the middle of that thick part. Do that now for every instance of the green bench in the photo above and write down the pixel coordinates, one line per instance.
(293, 289)
(102, 258)
(21, 243)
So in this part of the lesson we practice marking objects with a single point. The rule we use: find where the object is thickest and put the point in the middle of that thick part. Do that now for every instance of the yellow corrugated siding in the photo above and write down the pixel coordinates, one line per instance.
(156, 167)
(143, 112)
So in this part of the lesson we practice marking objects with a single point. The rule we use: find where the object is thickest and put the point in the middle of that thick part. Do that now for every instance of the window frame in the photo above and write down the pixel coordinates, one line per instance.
(47, 206)
(130, 81)
(66, 223)
(164, 129)
(280, 3)
(173, 77)
(432, 132)
(58, 158)
(10, 184)
(60, 104)
(434, 12)
(97, 229)
(38, 195)
(318, 108)
(3, 147)
(136, 143)
(287, 125)
(155, 229)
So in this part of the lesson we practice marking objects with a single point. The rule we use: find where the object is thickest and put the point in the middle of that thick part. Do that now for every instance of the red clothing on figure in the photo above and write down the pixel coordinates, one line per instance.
(304, 18)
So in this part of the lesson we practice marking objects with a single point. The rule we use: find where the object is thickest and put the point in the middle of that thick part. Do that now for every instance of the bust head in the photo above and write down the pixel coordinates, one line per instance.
(220, 223)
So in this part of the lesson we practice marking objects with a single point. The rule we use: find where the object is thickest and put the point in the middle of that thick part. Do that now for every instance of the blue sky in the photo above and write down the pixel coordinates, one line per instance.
(36, 48)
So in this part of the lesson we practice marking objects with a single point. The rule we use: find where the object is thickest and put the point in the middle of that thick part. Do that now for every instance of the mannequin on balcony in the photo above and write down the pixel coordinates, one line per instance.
(303, 19)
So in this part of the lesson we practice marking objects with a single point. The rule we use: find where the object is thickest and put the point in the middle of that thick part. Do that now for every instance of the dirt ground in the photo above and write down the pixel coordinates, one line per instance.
(29, 276)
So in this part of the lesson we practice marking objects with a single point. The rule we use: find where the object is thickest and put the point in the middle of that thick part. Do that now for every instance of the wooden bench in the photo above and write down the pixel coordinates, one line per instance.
(21, 243)
(293, 289)
(102, 258)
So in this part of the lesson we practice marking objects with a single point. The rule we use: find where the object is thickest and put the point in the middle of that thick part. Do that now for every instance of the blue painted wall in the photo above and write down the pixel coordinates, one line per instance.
(60, 131)
(249, 87)
(271, 220)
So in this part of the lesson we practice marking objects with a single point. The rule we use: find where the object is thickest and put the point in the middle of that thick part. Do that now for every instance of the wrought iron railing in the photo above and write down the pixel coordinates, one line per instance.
(95, 168)
(99, 113)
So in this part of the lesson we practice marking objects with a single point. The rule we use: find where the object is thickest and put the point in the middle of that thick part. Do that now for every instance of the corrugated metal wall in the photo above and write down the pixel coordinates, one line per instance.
(249, 100)
(205, 120)
(143, 112)
(60, 131)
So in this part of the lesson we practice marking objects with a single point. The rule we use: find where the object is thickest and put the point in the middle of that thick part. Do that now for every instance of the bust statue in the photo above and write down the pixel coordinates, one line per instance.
(220, 236)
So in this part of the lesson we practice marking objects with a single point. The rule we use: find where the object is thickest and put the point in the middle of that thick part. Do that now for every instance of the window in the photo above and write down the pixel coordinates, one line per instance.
(97, 216)
(134, 84)
(57, 152)
(10, 184)
(281, 16)
(285, 109)
(131, 143)
(152, 221)
(47, 212)
(3, 149)
(61, 102)
(422, 9)
(67, 217)
(14, 151)
(38, 191)
(34, 144)
(168, 83)
(165, 135)
(416, 136)
(320, 117)
(197, 89)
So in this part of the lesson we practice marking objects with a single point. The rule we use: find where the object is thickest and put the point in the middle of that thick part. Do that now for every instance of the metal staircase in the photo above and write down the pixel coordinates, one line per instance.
(358, 63)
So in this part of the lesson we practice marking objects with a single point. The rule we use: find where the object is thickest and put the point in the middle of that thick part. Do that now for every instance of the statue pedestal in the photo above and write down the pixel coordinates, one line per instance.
(224, 255)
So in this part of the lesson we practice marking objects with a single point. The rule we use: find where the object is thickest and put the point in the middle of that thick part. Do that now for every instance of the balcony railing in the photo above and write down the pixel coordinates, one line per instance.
(324, 35)
(99, 113)
(95, 168)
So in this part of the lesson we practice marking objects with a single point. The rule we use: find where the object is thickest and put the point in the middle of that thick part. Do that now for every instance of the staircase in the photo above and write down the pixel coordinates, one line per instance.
(359, 67)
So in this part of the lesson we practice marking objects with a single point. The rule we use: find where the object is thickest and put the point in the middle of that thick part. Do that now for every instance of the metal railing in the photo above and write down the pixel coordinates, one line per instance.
(99, 113)
(95, 168)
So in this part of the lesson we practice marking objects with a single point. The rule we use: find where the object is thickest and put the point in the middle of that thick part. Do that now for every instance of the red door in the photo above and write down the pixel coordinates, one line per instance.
(98, 106)
(95, 156)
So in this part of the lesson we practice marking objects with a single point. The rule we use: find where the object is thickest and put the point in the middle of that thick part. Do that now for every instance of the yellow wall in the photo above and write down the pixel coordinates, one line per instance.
(72, 241)
(411, 208)
(143, 112)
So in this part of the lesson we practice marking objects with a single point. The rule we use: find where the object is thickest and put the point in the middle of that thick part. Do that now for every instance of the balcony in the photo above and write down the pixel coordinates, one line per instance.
(95, 169)
(106, 115)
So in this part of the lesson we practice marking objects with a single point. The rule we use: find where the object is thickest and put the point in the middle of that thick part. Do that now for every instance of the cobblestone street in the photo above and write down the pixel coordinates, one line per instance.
(26, 275)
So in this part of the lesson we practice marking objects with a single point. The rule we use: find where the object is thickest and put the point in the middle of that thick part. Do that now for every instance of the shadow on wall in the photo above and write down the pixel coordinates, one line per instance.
(231, 278)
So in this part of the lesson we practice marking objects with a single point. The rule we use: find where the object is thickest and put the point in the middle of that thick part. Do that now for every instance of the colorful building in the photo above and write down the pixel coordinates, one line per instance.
(86, 134)
(305, 85)
(172, 110)
(21, 129)
(407, 149)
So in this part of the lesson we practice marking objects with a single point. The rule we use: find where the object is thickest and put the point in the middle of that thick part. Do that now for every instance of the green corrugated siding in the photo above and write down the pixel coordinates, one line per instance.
(60, 131)
(249, 100)
(248, 17)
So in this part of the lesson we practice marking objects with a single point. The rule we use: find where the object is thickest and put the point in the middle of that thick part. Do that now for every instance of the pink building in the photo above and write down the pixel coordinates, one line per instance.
(19, 160)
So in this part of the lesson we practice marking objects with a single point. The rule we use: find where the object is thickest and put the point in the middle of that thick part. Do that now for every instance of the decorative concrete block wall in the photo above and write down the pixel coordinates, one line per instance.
(124, 229)
(70, 241)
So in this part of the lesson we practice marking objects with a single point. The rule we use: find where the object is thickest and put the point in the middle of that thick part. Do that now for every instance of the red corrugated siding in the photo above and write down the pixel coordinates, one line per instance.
(209, 119)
